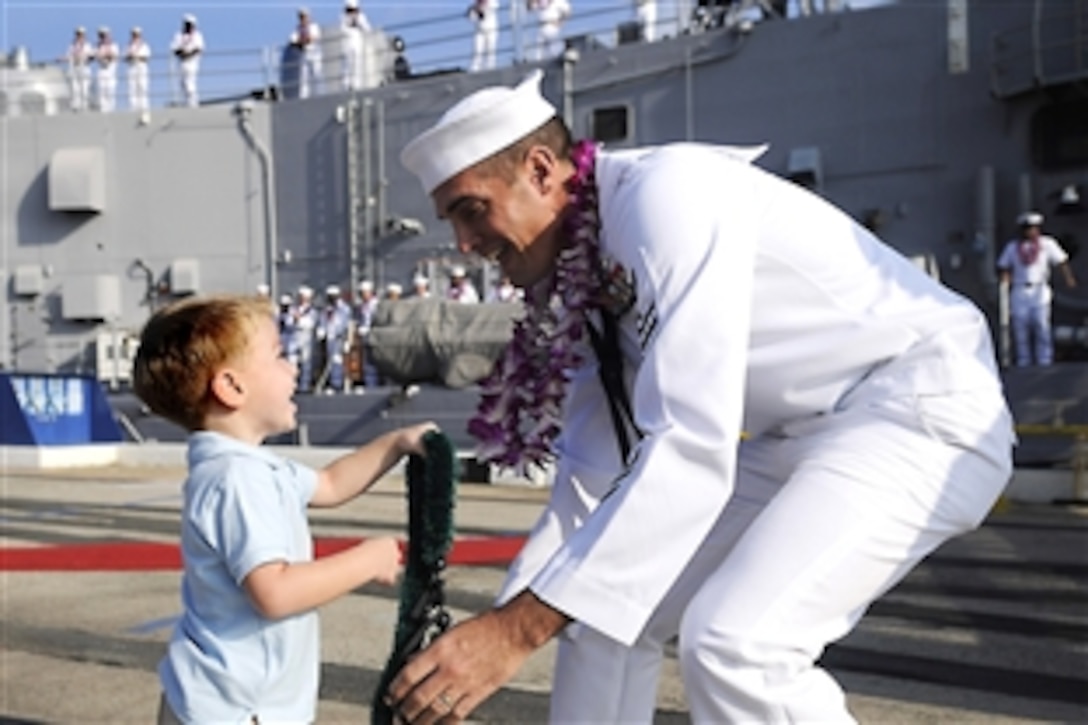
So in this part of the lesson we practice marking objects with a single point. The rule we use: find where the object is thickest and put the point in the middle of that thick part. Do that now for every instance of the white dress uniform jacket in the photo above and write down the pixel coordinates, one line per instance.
(763, 309)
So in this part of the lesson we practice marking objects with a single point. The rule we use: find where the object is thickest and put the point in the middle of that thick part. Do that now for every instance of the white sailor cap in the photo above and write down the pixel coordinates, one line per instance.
(1030, 219)
(351, 4)
(188, 18)
(80, 30)
(332, 289)
(285, 299)
(476, 128)
(393, 288)
(103, 30)
(137, 30)
(420, 280)
(263, 289)
(303, 10)
(366, 286)
(457, 271)
(305, 291)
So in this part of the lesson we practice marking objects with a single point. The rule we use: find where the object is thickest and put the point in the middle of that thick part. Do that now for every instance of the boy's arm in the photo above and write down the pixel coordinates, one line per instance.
(350, 475)
(280, 589)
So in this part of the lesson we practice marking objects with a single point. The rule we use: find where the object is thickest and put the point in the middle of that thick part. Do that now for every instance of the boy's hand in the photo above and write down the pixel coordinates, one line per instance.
(411, 437)
(384, 555)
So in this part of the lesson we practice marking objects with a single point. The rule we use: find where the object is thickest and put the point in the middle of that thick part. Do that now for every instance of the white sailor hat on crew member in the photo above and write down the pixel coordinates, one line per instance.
(419, 280)
(80, 30)
(457, 271)
(137, 30)
(103, 30)
(366, 286)
(476, 128)
(351, 4)
(332, 290)
(303, 10)
(1030, 219)
(188, 18)
(394, 289)
(305, 291)
(285, 299)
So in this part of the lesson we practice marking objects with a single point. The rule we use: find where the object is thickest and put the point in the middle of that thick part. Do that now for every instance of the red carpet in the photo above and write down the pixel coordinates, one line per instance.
(144, 556)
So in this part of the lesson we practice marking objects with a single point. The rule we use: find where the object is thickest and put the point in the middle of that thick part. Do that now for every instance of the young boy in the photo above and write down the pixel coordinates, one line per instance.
(246, 646)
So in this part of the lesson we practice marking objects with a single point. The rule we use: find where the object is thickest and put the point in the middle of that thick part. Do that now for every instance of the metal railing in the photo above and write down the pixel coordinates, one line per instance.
(436, 44)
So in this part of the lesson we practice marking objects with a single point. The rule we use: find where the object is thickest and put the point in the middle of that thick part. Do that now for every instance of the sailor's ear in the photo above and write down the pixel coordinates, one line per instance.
(543, 168)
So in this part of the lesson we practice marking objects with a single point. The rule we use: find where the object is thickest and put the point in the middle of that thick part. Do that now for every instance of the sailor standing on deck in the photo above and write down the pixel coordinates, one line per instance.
(188, 46)
(137, 55)
(485, 14)
(877, 427)
(354, 27)
(646, 17)
(551, 14)
(106, 54)
(1025, 267)
(79, 57)
(307, 40)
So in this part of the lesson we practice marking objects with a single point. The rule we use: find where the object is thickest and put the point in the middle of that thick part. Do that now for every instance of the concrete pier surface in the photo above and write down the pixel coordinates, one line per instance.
(993, 628)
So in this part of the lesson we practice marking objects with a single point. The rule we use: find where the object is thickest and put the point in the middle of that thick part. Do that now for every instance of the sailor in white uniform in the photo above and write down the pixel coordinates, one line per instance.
(106, 55)
(306, 37)
(646, 16)
(353, 27)
(551, 14)
(137, 55)
(876, 425)
(1025, 265)
(485, 40)
(79, 56)
(188, 46)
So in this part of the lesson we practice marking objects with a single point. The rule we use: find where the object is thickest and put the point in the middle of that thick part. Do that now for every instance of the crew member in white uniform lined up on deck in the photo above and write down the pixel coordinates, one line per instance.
(188, 46)
(877, 425)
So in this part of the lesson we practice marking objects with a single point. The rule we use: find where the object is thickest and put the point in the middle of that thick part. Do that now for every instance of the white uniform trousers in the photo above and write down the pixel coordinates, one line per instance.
(484, 42)
(189, 68)
(646, 14)
(549, 43)
(1029, 308)
(821, 523)
(351, 61)
(79, 81)
(106, 80)
(138, 87)
(309, 75)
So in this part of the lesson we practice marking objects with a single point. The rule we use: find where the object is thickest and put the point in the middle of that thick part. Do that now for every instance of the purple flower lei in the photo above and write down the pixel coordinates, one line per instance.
(519, 415)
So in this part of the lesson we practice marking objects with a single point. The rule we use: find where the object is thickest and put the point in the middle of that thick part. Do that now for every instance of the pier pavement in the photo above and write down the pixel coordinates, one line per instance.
(993, 628)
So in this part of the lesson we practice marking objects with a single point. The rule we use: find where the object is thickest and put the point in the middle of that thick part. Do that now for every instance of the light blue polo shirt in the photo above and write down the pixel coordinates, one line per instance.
(243, 507)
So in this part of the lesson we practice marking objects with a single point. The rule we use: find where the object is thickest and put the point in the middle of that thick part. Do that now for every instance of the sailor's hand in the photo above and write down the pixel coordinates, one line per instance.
(467, 664)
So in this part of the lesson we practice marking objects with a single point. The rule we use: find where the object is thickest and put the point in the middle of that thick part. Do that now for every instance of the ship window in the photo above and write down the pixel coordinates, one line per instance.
(1059, 135)
(610, 124)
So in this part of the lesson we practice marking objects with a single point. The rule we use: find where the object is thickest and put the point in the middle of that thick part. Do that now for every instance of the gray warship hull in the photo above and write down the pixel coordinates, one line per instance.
(932, 123)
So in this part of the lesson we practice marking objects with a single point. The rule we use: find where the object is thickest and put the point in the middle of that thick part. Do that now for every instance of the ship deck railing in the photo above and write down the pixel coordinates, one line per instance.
(434, 45)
